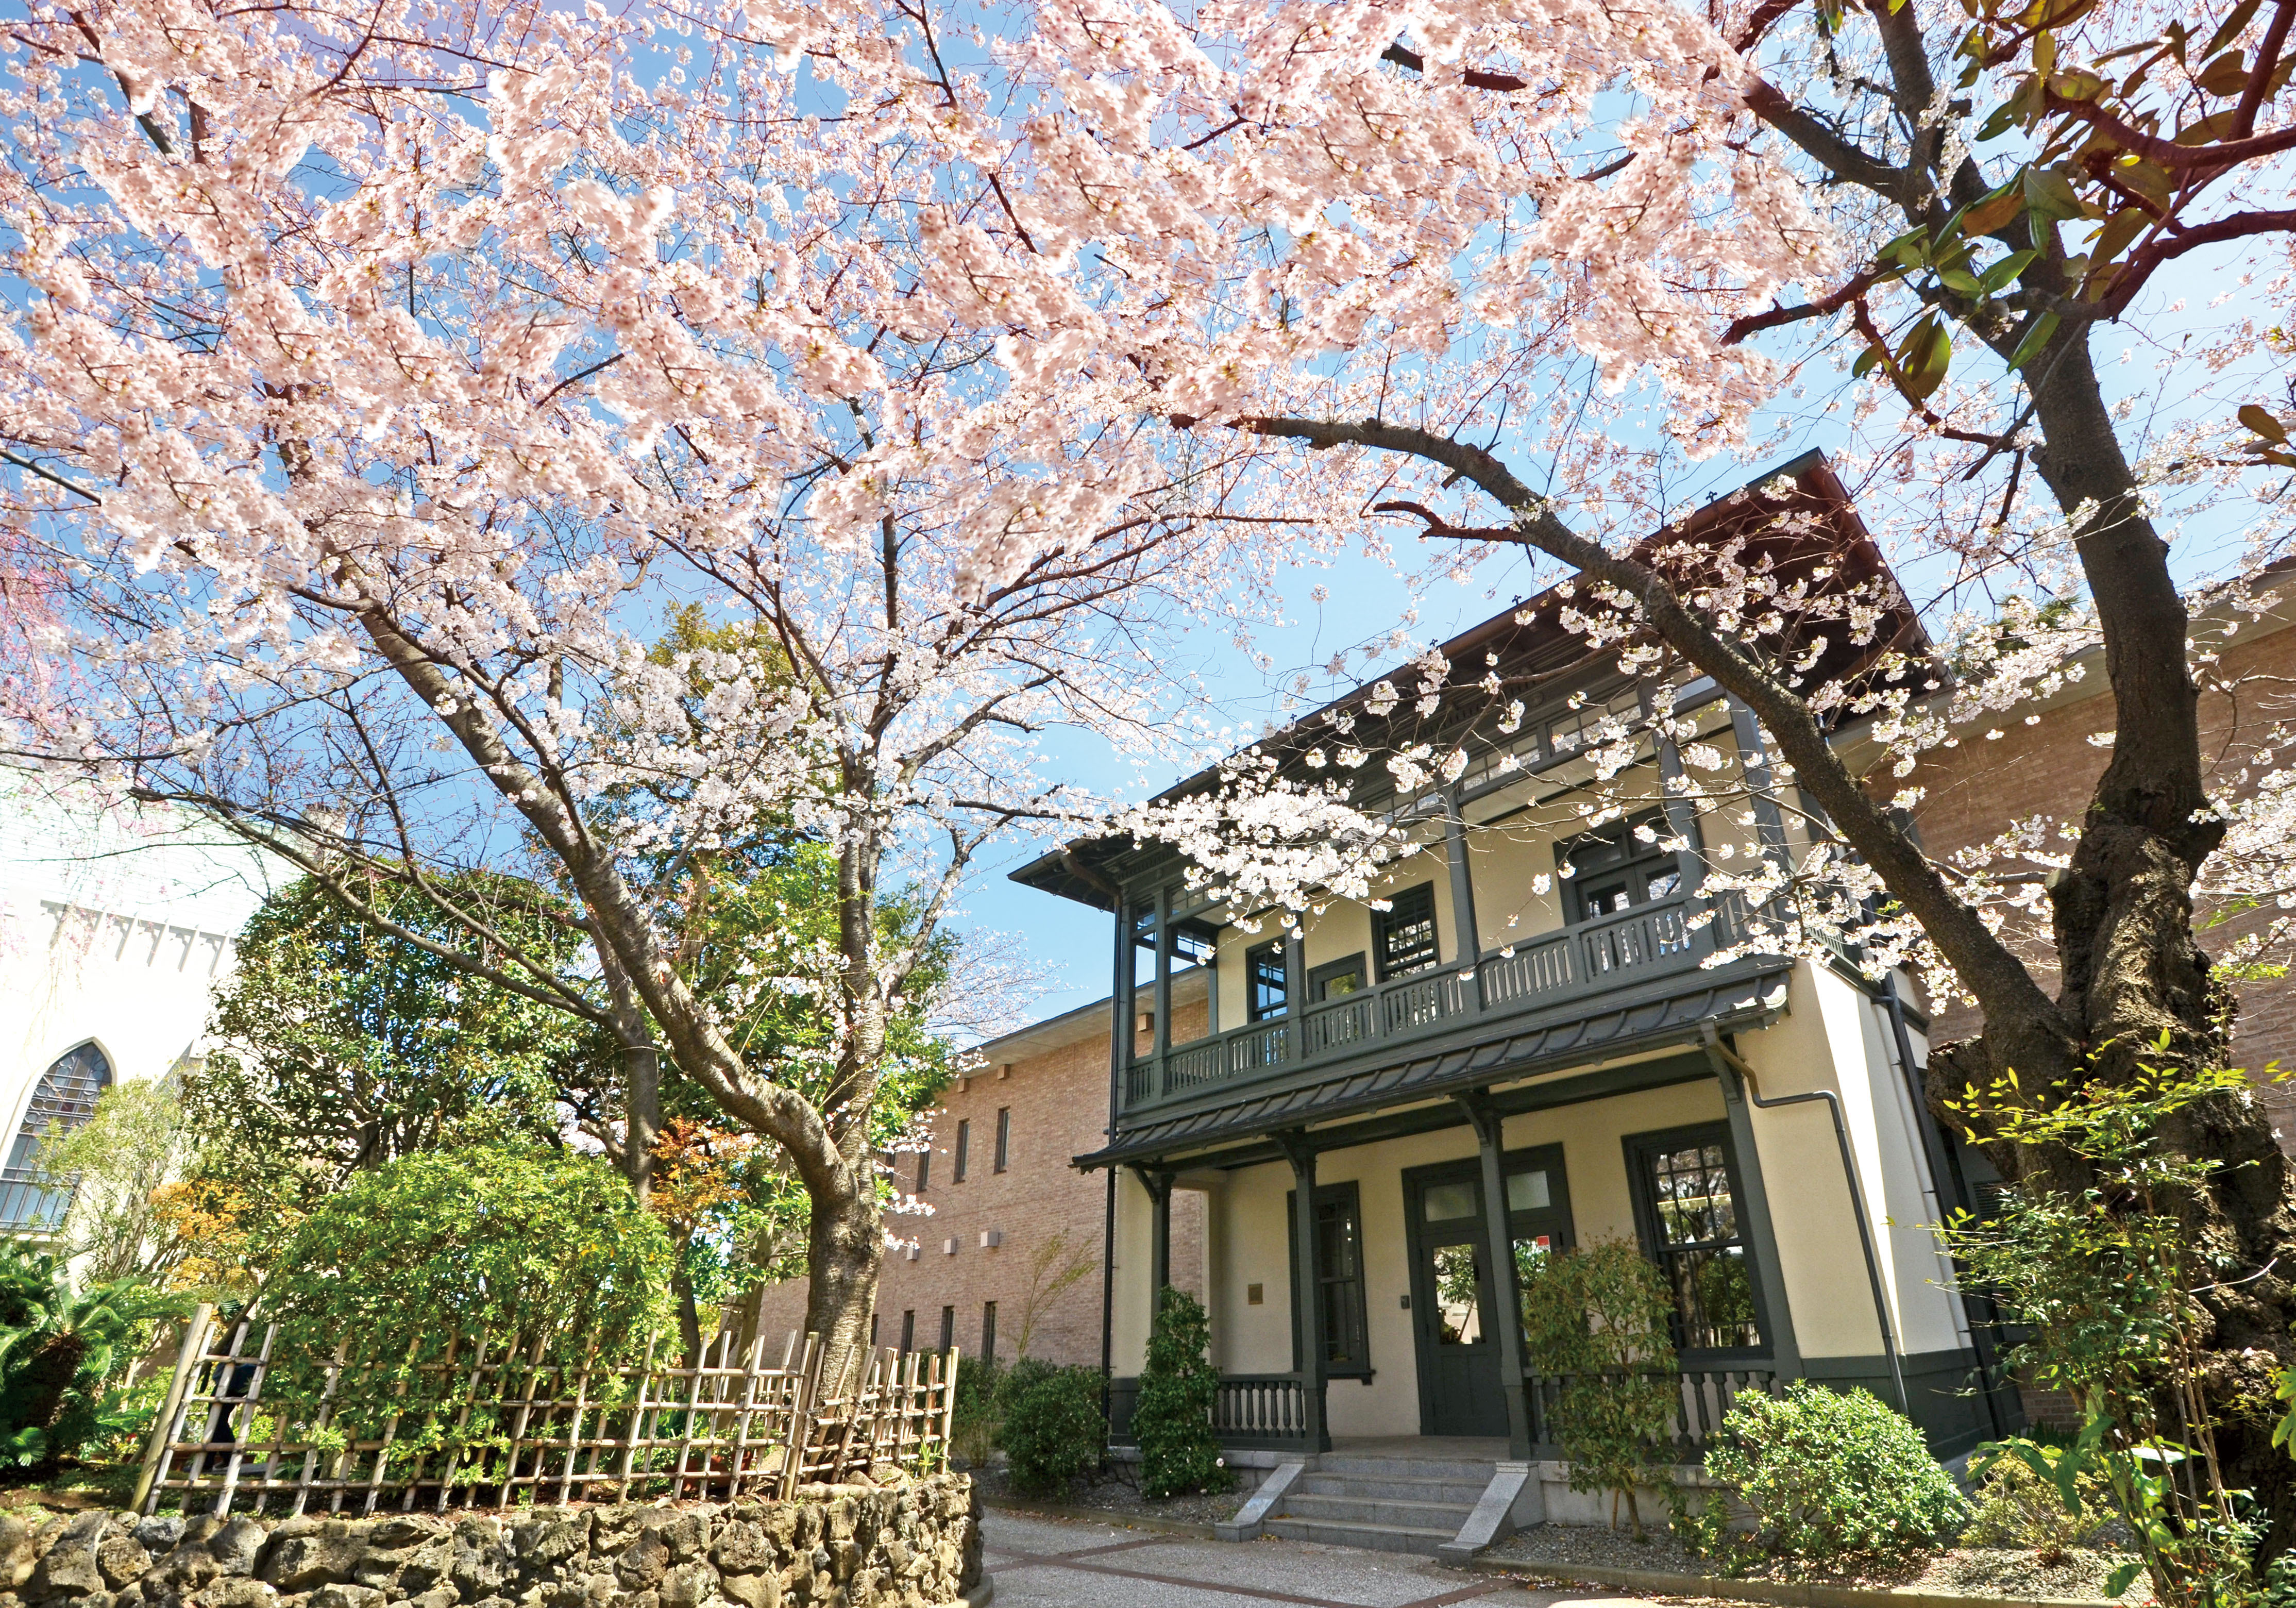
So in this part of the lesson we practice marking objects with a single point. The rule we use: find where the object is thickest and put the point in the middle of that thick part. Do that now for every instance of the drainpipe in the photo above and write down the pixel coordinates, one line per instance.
(1726, 1060)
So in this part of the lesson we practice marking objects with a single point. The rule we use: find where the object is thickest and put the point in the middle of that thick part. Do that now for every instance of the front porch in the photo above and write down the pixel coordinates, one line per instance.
(1366, 1212)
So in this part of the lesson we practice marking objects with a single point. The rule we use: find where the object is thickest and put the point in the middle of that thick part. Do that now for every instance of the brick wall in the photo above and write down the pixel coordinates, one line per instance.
(1975, 790)
(1057, 1094)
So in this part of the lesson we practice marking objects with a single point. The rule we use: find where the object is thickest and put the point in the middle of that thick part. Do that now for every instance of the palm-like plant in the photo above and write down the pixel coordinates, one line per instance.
(59, 1348)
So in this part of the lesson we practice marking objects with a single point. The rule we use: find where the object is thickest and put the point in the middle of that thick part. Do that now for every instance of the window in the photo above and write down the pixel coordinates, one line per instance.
(988, 1330)
(1687, 1203)
(61, 1100)
(873, 1316)
(1612, 871)
(1335, 978)
(1338, 1256)
(948, 1327)
(1003, 1137)
(1266, 989)
(1404, 934)
(925, 1169)
(963, 1144)
(908, 1331)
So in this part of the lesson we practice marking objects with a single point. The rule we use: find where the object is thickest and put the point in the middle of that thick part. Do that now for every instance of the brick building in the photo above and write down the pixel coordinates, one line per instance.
(2050, 767)
(1005, 1214)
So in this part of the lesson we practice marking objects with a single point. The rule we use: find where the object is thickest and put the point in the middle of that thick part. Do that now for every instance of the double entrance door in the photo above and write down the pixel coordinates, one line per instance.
(1453, 1290)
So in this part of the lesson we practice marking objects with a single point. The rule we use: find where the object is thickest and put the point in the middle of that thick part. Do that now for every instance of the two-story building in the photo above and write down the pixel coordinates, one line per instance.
(1520, 1043)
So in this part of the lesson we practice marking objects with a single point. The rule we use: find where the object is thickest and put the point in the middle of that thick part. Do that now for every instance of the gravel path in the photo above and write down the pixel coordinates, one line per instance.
(1965, 1571)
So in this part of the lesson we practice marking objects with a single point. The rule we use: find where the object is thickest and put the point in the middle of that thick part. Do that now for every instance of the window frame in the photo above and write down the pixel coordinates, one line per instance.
(1255, 958)
(1348, 1197)
(988, 1330)
(1383, 925)
(963, 1144)
(1635, 863)
(1641, 1149)
(1321, 977)
(925, 1169)
(1004, 1138)
(948, 1327)
(908, 1331)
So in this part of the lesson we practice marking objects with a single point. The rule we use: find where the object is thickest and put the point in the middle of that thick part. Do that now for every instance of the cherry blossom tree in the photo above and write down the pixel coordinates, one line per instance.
(1508, 267)
(388, 375)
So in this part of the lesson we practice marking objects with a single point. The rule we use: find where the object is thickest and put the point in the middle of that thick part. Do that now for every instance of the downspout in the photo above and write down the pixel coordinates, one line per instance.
(1726, 1060)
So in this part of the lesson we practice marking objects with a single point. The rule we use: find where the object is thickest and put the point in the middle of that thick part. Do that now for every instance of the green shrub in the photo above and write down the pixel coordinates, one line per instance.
(59, 1348)
(1833, 1473)
(1173, 1419)
(442, 1248)
(1053, 1431)
(973, 1416)
(1596, 1317)
(2016, 1507)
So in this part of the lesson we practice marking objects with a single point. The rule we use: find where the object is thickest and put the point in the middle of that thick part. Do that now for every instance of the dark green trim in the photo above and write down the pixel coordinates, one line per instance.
(1943, 1387)
(1639, 1151)
(1662, 1071)
(1761, 1229)
(1349, 1197)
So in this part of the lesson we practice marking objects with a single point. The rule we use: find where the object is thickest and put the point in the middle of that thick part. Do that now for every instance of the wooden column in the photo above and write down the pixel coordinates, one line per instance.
(1163, 1006)
(1159, 1185)
(1681, 818)
(1307, 1290)
(1123, 1001)
(1295, 992)
(1466, 934)
(1506, 1293)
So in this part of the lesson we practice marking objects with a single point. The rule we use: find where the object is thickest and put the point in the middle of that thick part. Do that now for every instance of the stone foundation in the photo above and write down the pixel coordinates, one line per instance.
(916, 1544)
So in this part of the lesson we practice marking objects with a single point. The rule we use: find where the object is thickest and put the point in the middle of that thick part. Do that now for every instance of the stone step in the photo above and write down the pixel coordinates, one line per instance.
(1317, 1482)
(1373, 1538)
(1406, 1468)
(1445, 1516)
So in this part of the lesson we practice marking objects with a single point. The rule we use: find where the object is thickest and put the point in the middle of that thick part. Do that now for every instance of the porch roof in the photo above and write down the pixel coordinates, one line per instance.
(1740, 997)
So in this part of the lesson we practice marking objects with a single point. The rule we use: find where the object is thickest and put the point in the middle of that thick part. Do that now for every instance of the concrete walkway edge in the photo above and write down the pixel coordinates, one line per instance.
(1792, 1594)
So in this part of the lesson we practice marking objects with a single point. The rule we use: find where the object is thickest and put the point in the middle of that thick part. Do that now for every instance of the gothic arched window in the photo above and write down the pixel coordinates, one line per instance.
(65, 1098)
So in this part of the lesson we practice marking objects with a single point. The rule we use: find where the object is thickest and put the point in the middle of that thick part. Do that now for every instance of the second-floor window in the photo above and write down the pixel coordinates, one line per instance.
(924, 1170)
(963, 1144)
(1266, 987)
(1003, 1137)
(1615, 869)
(1404, 934)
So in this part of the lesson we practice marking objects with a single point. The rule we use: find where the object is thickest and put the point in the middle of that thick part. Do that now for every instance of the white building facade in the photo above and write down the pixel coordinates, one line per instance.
(117, 926)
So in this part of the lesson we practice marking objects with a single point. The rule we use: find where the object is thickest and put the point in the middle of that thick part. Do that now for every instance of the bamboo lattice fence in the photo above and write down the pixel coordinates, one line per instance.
(503, 1425)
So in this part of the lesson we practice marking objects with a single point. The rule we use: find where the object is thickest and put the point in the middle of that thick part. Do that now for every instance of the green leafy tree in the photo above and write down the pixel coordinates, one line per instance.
(116, 1168)
(2096, 1259)
(1596, 1317)
(341, 1048)
(1172, 1420)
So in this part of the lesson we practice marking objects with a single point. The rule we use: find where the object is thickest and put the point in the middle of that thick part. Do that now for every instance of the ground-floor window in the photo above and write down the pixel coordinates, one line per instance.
(1686, 1197)
(1338, 1271)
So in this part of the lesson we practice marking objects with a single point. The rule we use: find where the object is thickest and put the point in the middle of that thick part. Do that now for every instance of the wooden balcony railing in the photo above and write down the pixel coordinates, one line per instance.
(1704, 1396)
(1579, 962)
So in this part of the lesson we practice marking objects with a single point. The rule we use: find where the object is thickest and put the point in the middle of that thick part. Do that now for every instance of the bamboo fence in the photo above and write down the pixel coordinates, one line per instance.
(507, 1425)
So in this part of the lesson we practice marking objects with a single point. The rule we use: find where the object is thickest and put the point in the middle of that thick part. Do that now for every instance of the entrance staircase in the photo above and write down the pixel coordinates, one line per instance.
(1382, 1503)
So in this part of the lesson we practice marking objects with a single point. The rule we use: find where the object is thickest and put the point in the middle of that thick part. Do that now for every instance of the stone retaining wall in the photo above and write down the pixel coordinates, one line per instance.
(917, 1544)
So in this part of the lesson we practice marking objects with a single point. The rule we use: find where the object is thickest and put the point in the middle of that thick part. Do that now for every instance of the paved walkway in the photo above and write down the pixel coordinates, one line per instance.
(1060, 1563)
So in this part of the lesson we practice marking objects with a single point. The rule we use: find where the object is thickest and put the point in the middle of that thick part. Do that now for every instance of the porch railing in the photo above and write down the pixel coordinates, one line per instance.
(1261, 1410)
(1590, 958)
(1703, 1396)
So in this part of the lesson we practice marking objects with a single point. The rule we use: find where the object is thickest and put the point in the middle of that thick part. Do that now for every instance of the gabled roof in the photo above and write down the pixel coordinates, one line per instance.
(1529, 639)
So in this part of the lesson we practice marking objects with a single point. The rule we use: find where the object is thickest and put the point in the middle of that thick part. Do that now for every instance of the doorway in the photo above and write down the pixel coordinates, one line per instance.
(1452, 1283)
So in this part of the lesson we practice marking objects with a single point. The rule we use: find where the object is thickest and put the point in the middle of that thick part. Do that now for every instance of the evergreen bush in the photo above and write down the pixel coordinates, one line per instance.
(1831, 1475)
(1173, 1419)
(1596, 1317)
(1053, 1432)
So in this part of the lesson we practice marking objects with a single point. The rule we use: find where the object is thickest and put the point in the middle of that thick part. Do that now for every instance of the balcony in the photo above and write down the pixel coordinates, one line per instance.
(1579, 963)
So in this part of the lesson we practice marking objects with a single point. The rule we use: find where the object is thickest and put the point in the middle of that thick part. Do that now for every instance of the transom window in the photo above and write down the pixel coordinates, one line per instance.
(1686, 1197)
(1405, 932)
